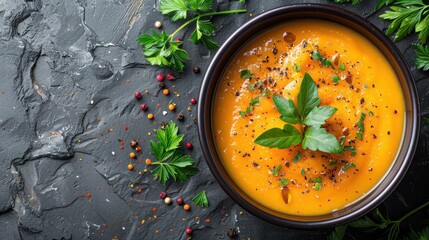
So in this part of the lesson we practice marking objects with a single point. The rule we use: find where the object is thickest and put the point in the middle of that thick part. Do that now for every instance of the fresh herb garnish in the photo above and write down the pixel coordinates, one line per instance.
(361, 128)
(201, 199)
(317, 183)
(406, 17)
(354, 2)
(297, 68)
(309, 114)
(303, 172)
(249, 109)
(171, 161)
(370, 113)
(276, 170)
(164, 50)
(245, 73)
(426, 120)
(342, 140)
(350, 148)
(318, 57)
(297, 157)
(336, 79)
(378, 221)
(284, 182)
(422, 57)
(342, 67)
(348, 166)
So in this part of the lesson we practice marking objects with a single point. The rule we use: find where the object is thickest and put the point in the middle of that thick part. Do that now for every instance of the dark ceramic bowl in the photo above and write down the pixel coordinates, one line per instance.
(373, 34)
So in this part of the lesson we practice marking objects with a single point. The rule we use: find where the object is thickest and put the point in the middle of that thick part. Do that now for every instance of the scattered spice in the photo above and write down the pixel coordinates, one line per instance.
(148, 161)
(158, 24)
(179, 201)
(160, 77)
(170, 76)
(162, 195)
(150, 116)
(193, 101)
(232, 232)
(165, 91)
(88, 195)
(172, 106)
(134, 143)
(196, 70)
(167, 200)
(180, 116)
(133, 155)
(186, 207)
(188, 231)
(138, 149)
(138, 95)
(189, 146)
(130, 167)
(143, 106)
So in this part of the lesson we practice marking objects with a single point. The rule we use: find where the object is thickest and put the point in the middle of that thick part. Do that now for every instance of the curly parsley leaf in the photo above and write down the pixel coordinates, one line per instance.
(317, 138)
(408, 16)
(172, 163)
(422, 57)
(201, 199)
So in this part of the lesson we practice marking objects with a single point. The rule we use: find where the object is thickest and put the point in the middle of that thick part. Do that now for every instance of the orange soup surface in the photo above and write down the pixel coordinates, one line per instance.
(359, 80)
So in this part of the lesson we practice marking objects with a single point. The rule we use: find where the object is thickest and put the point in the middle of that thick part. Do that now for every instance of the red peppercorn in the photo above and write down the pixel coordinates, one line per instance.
(143, 106)
(179, 201)
(188, 231)
(189, 145)
(160, 77)
(137, 95)
(170, 77)
(177, 40)
(125, 128)
(162, 195)
(193, 101)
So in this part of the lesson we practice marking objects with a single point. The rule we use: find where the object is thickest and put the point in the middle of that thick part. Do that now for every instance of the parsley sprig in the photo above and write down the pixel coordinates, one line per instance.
(422, 57)
(172, 163)
(408, 16)
(309, 114)
(164, 50)
(379, 221)
(201, 199)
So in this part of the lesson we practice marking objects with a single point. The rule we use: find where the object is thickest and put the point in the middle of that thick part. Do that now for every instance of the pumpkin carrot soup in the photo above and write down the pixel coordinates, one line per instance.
(308, 117)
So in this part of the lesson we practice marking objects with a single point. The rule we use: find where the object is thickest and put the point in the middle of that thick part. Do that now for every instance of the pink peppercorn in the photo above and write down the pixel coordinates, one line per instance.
(162, 195)
(160, 77)
(143, 106)
(137, 95)
(189, 145)
(193, 101)
(188, 231)
(179, 201)
(170, 77)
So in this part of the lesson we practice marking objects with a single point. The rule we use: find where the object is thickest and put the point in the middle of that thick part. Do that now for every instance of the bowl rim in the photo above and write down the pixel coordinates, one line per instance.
(206, 100)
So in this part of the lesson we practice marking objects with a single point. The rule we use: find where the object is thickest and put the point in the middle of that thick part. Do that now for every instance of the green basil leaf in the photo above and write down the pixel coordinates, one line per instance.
(287, 109)
(319, 115)
(307, 96)
(319, 139)
(280, 138)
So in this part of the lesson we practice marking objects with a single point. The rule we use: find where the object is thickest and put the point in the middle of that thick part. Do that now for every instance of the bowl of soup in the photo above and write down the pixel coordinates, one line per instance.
(308, 116)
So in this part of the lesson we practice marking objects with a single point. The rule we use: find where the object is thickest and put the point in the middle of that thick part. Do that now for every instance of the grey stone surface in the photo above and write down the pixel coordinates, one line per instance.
(67, 76)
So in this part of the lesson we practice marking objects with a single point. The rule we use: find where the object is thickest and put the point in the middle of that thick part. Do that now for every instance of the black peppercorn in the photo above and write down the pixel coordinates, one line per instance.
(196, 70)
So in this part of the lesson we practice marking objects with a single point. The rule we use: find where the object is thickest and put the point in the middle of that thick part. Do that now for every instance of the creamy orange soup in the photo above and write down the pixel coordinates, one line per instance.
(278, 59)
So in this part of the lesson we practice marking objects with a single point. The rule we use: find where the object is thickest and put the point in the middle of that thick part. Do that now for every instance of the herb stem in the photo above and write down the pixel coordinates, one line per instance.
(414, 211)
(205, 15)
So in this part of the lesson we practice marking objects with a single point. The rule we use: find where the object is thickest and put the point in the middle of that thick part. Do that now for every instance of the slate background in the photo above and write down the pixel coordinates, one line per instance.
(67, 75)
